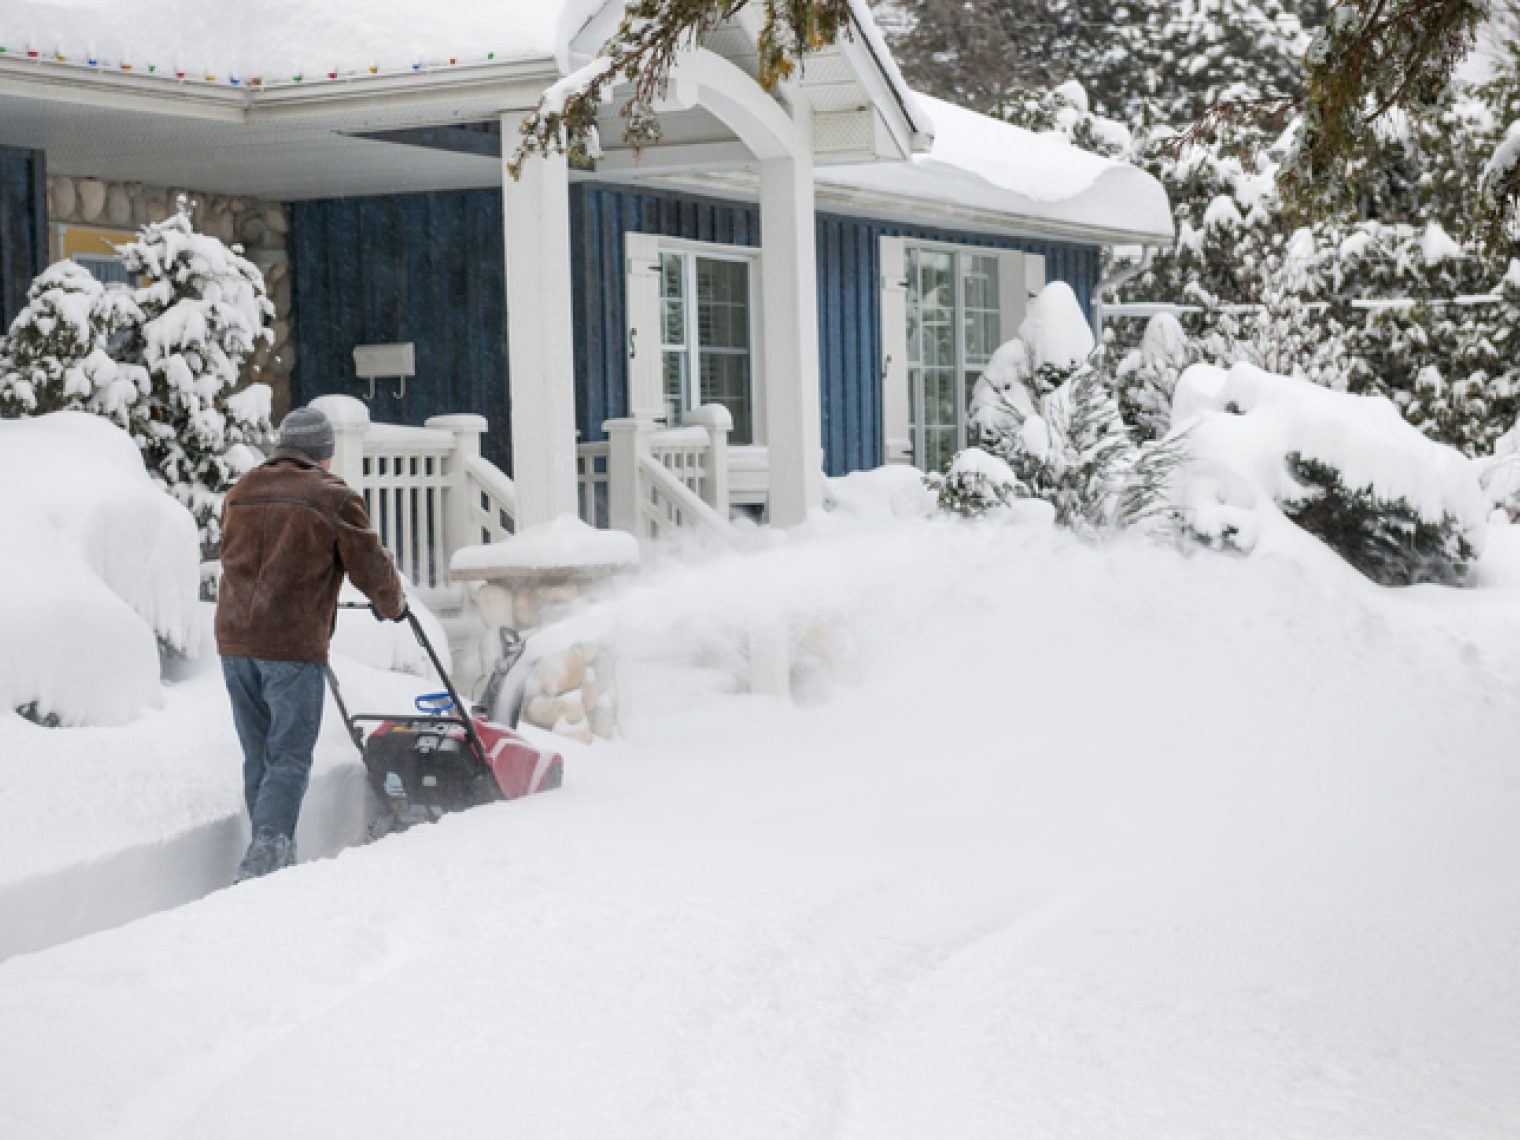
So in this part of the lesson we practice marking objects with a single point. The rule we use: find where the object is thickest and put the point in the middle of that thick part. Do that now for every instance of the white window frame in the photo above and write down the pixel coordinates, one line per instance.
(646, 323)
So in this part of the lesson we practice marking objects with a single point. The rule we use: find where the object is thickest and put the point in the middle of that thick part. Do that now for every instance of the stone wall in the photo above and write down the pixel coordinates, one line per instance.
(259, 226)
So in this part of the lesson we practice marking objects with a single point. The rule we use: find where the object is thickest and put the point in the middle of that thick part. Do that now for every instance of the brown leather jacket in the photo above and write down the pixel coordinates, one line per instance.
(289, 533)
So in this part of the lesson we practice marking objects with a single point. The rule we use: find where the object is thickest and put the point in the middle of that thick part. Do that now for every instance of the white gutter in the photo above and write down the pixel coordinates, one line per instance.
(923, 211)
(80, 84)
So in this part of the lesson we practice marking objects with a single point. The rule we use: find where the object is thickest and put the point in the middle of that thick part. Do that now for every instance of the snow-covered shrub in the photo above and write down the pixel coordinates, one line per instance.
(975, 482)
(55, 356)
(1265, 450)
(1146, 377)
(1045, 425)
(203, 309)
(1386, 539)
(98, 569)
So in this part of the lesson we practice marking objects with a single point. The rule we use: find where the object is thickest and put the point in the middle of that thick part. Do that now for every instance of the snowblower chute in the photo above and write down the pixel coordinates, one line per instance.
(441, 759)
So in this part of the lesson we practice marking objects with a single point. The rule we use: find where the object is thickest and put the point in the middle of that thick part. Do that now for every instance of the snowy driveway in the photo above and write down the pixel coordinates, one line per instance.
(1103, 843)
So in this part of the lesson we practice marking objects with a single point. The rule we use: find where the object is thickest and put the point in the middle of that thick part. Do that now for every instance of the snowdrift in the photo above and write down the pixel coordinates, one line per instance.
(100, 566)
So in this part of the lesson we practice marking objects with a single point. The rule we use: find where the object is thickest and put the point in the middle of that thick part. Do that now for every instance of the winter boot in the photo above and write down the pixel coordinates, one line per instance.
(269, 851)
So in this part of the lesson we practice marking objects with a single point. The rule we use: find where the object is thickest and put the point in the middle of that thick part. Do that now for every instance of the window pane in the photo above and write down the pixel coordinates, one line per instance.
(722, 304)
(109, 270)
(673, 299)
(939, 447)
(979, 308)
(936, 277)
(675, 365)
(725, 379)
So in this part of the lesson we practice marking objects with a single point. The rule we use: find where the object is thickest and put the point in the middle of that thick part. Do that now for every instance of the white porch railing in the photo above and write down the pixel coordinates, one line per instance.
(428, 490)
(652, 482)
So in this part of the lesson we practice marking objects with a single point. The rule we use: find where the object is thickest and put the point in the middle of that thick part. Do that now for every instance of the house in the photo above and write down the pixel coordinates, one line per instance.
(831, 263)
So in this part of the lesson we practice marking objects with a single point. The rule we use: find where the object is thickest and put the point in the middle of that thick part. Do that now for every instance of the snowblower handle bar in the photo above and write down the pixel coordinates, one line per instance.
(422, 639)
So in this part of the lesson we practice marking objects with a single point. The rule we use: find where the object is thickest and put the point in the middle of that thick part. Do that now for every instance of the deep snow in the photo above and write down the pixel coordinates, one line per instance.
(1068, 841)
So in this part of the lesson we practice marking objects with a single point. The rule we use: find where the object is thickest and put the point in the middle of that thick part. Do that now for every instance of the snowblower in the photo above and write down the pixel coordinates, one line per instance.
(442, 759)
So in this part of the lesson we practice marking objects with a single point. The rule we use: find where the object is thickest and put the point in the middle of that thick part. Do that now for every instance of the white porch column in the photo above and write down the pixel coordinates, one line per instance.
(789, 268)
(540, 343)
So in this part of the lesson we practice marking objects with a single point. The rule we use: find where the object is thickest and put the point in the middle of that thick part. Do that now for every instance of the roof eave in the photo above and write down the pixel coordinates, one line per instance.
(918, 211)
(502, 85)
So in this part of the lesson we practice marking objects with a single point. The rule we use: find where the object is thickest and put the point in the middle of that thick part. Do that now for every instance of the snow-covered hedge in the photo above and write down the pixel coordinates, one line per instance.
(98, 567)
(1348, 469)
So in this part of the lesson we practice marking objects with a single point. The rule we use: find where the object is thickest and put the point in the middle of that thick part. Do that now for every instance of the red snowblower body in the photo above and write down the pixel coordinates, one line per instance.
(440, 759)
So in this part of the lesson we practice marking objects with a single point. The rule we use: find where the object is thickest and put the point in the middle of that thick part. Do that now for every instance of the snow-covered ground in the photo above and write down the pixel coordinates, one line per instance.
(1064, 841)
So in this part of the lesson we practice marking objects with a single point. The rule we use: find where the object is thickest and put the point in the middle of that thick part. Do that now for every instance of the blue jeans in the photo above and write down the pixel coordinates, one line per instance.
(277, 707)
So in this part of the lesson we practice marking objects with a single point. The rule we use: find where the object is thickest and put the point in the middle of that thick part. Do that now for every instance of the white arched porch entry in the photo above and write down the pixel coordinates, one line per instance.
(539, 301)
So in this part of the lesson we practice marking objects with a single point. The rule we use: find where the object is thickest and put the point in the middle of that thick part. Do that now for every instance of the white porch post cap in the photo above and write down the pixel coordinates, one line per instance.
(714, 416)
(343, 411)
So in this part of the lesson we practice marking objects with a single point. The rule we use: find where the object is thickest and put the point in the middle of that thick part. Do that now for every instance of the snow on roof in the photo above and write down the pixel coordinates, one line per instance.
(280, 39)
(985, 164)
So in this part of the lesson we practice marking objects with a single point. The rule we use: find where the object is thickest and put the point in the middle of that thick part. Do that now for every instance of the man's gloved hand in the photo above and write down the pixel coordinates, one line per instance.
(405, 609)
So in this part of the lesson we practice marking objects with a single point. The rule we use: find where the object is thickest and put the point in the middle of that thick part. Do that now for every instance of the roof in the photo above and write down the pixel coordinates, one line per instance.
(284, 42)
(434, 62)
(983, 166)
(278, 40)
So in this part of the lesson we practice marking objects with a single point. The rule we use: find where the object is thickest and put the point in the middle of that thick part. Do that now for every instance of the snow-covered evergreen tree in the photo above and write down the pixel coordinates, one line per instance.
(1046, 425)
(203, 309)
(1145, 379)
(160, 358)
(55, 356)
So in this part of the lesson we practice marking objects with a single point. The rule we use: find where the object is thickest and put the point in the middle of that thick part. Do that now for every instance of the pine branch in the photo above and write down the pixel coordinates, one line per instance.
(643, 51)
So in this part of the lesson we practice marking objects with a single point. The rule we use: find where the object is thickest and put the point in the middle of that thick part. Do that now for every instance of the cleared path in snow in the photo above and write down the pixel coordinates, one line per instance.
(100, 827)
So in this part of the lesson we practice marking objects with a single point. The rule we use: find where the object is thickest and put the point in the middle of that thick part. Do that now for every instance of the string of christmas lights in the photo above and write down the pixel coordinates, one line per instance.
(90, 62)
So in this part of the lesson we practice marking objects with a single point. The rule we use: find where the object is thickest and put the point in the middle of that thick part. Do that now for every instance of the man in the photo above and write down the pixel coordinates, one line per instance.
(290, 530)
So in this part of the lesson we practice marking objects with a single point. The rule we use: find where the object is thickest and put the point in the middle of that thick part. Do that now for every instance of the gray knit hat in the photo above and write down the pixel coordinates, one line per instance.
(306, 430)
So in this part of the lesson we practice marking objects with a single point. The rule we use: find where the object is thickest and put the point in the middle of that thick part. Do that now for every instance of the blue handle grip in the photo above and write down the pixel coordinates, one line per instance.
(434, 703)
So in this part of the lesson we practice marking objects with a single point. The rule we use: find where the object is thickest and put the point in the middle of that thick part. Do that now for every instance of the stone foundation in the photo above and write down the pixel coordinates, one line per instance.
(572, 689)
(260, 227)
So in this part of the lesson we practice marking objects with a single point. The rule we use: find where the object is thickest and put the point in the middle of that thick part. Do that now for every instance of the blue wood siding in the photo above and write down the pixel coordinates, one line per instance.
(23, 226)
(425, 268)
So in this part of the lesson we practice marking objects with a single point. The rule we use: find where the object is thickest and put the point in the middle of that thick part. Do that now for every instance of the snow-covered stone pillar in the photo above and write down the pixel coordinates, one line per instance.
(540, 346)
(789, 292)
